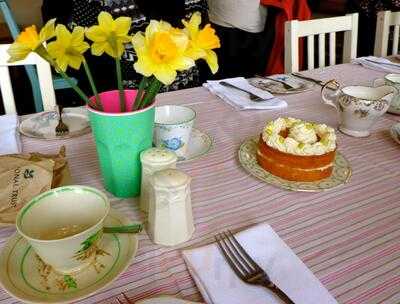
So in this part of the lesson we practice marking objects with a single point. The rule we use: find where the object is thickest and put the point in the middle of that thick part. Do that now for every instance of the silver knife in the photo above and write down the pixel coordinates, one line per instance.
(317, 81)
(253, 96)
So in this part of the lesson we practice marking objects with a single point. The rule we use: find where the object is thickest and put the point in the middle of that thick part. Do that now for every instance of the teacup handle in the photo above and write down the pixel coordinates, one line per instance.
(330, 99)
(378, 82)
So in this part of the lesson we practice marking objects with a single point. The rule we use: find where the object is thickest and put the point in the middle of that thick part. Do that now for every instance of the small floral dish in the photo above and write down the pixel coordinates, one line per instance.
(199, 145)
(43, 125)
(395, 132)
(278, 86)
(340, 175)
(26, 277)
(172, 128)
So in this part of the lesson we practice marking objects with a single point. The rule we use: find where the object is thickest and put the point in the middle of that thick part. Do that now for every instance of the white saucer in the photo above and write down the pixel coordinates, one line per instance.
(28, 279)
(199, 145)
(42, 125)
(395, 132)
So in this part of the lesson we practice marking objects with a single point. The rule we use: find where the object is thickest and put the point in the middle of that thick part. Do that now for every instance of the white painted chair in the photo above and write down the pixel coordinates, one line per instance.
(296, 29)
(44, 75)
(385, 20)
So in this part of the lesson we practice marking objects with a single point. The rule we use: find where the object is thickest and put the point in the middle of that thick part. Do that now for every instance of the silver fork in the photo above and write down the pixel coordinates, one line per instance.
(244, 266)
(253, 97)
(61, 128)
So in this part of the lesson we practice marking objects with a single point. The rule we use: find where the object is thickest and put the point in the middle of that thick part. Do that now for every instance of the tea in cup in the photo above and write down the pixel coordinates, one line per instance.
(64, 226)
(173, 127)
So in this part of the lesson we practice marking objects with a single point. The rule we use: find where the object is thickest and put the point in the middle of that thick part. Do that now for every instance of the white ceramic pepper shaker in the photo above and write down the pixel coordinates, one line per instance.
(153, 160)
(170, 220)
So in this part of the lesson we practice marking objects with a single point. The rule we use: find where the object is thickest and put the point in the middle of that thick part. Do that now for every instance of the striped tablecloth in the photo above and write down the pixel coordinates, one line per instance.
(349, 237)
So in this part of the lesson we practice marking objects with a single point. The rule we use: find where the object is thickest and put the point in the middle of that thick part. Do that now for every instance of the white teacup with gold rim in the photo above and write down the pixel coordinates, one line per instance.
(64, 226)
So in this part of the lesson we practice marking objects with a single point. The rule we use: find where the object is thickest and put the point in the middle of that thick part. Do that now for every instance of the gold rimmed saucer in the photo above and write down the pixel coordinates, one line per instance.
(24, 275)
(340, 175)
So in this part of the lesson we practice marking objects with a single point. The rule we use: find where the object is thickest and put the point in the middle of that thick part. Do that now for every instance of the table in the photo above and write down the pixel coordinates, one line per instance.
(349, 237)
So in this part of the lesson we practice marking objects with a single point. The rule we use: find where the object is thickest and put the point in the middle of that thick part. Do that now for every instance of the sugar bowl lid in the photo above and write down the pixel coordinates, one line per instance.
(170, 178)
(158, 156)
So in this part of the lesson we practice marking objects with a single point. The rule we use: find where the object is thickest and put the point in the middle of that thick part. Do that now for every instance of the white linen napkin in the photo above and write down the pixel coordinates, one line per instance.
(10, 142)
(219, 285)
(240, 100)
(378, 63)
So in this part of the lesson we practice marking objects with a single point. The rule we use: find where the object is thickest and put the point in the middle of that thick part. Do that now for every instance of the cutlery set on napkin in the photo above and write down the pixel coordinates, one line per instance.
(378, 63)
(241, 95)
(219, 283)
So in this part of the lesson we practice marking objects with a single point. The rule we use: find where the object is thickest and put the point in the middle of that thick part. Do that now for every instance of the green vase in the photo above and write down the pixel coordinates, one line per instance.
(120, 137)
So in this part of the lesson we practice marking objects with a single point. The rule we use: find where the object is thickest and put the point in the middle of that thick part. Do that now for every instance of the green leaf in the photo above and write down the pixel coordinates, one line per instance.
(86, 244)
(71, 283)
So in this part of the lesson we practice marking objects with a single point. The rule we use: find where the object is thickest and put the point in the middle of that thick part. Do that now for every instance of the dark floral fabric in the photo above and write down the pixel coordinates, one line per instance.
(84, 13)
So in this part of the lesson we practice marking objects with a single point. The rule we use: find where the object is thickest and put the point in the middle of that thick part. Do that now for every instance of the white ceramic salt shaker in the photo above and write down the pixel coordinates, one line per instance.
(170, 220)
(153, 160)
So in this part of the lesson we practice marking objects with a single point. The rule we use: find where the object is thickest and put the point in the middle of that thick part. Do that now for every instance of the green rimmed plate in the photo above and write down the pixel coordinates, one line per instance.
(28, 279)
(340, 175)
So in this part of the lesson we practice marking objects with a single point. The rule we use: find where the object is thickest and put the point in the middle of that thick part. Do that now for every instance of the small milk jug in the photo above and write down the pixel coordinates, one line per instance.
(170, 220)
(153, 160)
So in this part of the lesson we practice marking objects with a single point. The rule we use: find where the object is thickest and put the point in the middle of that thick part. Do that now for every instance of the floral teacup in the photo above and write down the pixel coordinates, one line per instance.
(64, 226)
(172, 128)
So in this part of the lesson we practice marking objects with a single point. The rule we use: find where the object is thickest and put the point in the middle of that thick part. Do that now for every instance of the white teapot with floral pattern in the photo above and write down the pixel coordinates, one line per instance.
(358, 107)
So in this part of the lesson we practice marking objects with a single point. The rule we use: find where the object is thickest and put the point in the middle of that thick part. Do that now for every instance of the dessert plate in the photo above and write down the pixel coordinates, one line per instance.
(395, 132)
(275, 87)
(42, 125)
(340, 175)
(199, 145)
(28, 279)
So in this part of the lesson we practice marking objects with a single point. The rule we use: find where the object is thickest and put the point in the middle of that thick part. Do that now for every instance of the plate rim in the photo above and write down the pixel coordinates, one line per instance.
(129, 260)
(75, 134)
(297, 91)
(255, 139)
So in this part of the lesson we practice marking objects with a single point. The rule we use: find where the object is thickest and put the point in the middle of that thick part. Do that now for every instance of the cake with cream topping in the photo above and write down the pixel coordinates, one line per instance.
(297, 150)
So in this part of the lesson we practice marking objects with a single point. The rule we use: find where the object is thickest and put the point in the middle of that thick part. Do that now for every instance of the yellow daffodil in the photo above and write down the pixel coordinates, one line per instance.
(69, 47)
(29, 40)
(202, 41)
(110, 35)
(161, 51)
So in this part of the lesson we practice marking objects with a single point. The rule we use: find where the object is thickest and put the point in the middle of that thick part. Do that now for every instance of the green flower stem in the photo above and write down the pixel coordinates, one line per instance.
(139, 96)
(42, 52)
(151, 92)
(99, 105)
(120, 88)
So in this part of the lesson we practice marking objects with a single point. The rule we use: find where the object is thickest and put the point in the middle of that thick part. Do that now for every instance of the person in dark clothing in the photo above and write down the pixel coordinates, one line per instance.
(368, 10)
(85, 12)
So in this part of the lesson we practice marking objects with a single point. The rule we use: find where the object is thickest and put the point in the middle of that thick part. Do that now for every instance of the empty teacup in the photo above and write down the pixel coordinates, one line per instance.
(64, 226)
(172, 128)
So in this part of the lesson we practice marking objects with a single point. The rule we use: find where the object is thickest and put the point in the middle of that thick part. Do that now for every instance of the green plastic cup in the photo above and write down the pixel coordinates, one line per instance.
(120, 137)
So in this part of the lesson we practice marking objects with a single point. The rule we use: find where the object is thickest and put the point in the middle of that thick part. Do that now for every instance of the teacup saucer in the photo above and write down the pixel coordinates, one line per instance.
(28, 279)
(43, 125)
(199, 144)
(395, 132)
(394, 109)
